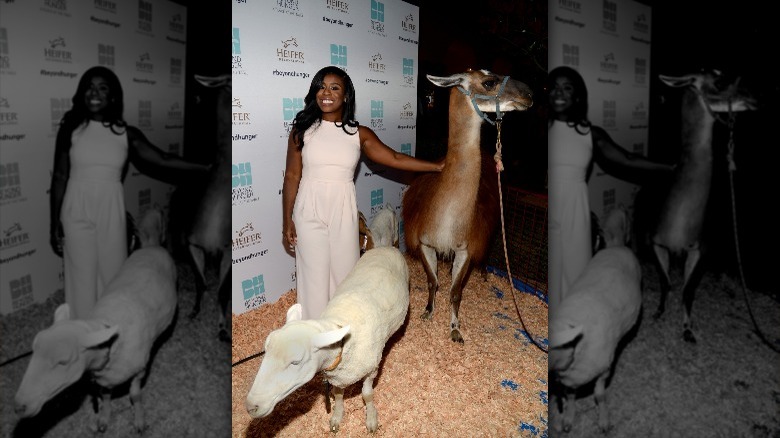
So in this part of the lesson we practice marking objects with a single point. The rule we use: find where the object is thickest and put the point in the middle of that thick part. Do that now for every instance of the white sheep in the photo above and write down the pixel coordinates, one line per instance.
(585, 329)
(114, 342)
(345, 343)
(382, 231)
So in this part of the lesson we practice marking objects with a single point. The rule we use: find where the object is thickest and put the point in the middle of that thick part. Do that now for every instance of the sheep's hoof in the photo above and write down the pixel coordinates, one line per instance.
(456, 337)
(334, 428)
(102, 427)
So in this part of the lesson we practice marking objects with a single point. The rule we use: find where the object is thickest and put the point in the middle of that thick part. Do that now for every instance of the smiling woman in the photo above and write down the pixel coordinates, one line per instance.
(93, 148)
(320, 221)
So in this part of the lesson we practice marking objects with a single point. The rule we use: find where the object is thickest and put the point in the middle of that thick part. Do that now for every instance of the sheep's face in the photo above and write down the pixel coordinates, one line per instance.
(57, 362)
(287, 365)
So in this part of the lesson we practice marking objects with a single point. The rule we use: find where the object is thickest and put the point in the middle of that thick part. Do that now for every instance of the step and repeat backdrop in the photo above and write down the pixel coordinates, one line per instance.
(278, 46)
(45, 47)
(608, 42)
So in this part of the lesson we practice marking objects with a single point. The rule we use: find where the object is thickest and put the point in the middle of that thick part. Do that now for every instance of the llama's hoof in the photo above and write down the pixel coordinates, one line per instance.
(657, 315)
(194, 313)
(456, 337)
(224, 336)
(334, 428)
(688, 336)
(427, 315)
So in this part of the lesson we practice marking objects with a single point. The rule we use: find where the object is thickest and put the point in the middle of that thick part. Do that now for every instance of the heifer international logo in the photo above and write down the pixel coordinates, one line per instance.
(59, 7)
(608, 64)
(240, 117)
(21, 292)
(375, 65)
(13, 236)
(144, 63)
(408, 24)
(609, 16)
(105, 5)
(407, 112)
(289, 51)
(106, 55)
(377, 22)
(176, 24)
(570, 5)
(641, 25)
(254, 292)
(338, 6)
(7, 117)
(56, 51)
(246, 237)
(175, 117)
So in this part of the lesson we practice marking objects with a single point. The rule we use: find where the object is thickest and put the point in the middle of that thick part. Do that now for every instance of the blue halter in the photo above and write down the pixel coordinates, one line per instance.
(487, 97)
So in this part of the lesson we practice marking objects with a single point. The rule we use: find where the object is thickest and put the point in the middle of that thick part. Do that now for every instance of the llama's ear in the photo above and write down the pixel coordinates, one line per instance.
(677, 81)
(447, 81)
(295, 312)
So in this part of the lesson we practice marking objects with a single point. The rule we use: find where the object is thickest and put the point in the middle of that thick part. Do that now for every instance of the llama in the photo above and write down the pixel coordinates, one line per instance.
(210, 230)
(681, 217)
(453, 214)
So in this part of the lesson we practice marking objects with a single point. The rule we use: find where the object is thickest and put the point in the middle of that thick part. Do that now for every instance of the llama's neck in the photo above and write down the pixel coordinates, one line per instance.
(697, 125)
(463, 141)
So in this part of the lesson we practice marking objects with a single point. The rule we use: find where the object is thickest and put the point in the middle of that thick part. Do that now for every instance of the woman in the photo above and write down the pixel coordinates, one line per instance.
(320, 220)
(574, 143)
(92, 151)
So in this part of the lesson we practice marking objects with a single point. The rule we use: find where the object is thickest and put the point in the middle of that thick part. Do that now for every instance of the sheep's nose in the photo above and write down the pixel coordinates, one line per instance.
(251, 408)
(20, 409)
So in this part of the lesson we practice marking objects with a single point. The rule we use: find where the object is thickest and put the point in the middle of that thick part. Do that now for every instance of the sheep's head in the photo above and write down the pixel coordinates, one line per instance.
(290, 361)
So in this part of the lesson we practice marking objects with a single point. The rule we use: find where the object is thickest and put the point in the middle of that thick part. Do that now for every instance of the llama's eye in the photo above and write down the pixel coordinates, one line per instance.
(489, 84)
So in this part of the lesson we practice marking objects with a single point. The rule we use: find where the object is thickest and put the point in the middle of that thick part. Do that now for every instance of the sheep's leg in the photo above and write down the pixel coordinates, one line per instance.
(460, 267)
(338, 409)
(135, 400)
(429, 261)
(199, 259)
(556, 405)
(372, 420)
(601, 401)
(104, 409)
(691, 261)
(662, 255)
(569, 409)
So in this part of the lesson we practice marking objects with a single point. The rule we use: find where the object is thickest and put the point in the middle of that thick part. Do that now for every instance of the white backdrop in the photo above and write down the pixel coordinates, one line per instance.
(278, 46)
(45, 46)
(608, 42)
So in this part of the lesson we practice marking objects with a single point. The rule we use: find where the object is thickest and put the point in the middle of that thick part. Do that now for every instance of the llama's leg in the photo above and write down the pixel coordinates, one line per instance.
(601, 401)
(135, 400)
(662, 256)
(199, 259)
(569, 409)
(689, 288)
(372, 421)
(104, 409)
(224, 296)
(338, 409)
(429, 261)
(460, 268)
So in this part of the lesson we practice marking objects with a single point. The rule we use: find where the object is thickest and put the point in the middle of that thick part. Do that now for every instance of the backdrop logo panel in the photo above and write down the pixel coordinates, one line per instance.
(145, 114)
(338, 6)
(570, 5)
(254, 292)
(21, 292)
(288, 7)
(105, 6)
(13, 237)
(56, 51)
(5, 57)
(240, 116)
(407, 70)
(376, 65)
(609, 16)
(145, 17)
(246, 237)
(10, 183)
(58, 7)
(59, 106)
(377, 115)
(242, 190)
(377, 19)
(290, 51)
(338, 55)
(571, 55)
(8, 117)
(106, 55)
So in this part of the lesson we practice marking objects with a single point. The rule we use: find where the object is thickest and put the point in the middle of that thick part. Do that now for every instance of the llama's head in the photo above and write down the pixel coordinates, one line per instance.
(489, 92)
(722, 93)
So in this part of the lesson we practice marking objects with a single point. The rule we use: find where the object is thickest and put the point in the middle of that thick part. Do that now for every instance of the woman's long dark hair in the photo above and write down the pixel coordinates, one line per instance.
(312, 113)
(578, 112)
(78, 114)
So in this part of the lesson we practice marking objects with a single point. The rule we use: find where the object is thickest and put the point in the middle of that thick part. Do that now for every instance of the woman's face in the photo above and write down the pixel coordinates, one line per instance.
(97, 97)
(562, 95)
(330, 97)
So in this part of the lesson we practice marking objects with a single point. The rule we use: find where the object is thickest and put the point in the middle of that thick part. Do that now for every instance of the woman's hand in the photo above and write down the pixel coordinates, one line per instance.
(290, 235)
(57, 239)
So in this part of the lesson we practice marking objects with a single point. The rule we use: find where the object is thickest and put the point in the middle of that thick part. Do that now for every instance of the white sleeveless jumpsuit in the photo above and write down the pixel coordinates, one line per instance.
(93, 215)
(569, 245)
(325, 215)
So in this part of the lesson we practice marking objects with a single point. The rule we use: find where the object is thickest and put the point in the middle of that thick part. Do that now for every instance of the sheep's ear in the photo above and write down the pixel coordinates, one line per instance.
(96, 338)
(62, 313)
(329, 338)
(562, 337)
(295, 312)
